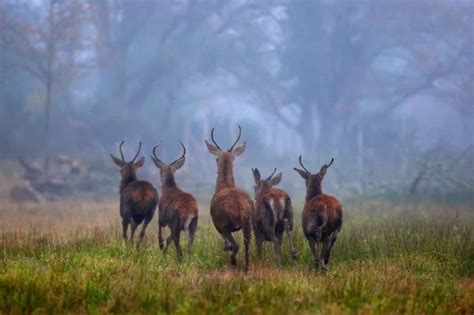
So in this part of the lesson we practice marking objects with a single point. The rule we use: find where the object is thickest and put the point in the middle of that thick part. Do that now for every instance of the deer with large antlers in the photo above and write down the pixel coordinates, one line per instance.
(322, 216)
(231, 207)
(138, 199)
(177, 209)
(273, 214)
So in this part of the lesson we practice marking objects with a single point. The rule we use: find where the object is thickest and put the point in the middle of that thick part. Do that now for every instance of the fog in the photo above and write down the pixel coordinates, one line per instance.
(386, 88)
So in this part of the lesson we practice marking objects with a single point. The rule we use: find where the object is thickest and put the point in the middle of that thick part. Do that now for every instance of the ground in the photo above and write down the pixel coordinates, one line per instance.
(390, 258)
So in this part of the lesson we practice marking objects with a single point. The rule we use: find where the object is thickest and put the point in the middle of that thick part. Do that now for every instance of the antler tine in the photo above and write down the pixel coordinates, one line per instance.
(182, 155)
(138, 152)
(270, 177)
(330, 163)
(238, 138)
(154, 150)
(213, 140)
(301, 163)
(120, 149)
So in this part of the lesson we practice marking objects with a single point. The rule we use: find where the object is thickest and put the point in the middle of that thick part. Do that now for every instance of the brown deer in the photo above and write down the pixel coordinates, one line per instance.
(177, 209)
(231, 207)
(273, 214)
(321, 217)
(138, 199)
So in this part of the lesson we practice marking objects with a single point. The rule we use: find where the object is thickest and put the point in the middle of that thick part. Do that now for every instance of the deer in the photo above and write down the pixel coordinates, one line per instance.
(176, 209)
(138, 199)
(231, 207)
(322, 216)
(273, 214)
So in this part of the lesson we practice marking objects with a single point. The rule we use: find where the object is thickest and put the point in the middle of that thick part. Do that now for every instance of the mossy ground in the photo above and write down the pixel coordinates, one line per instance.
(67, 257)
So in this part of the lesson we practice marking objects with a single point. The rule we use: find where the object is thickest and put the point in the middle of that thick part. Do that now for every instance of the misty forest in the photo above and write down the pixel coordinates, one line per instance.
(385, 88)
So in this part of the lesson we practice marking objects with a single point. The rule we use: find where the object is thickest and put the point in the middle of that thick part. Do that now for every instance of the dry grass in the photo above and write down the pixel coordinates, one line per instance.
(68, 257)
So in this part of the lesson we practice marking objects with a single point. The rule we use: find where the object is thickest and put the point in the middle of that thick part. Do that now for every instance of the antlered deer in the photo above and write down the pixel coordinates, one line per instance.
(322, 216)
(231, 207)
(177, 209)
(138, 199)
(273, 214)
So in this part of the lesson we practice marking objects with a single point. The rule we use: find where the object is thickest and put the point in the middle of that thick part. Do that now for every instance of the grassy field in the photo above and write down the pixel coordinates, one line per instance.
(68, 257)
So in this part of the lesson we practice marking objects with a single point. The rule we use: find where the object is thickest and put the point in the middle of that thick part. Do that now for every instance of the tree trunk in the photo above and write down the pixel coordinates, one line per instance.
(307, 130)
(47, 122)
(360, 155)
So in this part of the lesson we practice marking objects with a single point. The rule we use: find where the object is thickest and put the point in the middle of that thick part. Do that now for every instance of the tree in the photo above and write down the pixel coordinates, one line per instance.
(349, 74)
(190, 39)
(47, 47)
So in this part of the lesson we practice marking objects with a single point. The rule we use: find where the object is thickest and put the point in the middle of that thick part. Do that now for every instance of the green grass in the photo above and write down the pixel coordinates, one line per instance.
(416, 258)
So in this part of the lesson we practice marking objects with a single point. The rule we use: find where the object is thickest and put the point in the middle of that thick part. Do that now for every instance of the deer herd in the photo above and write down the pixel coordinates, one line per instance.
(269, 216)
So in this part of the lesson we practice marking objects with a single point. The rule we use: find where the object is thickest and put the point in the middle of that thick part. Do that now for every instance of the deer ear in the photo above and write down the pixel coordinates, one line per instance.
(212, 148)
(256, 175)
(158, 163)
(139, 163)
(276, 180)
(178, 163)
(239, 150)
(117, 161)
(302, 173)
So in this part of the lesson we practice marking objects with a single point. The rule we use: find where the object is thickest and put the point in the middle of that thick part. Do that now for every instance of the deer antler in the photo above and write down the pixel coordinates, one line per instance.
(154, 150)
(120, 149)
(213, 140)
(138, 152)
(182, 155)
(301, 163)
(238, 138)
(330, 163)
(270, 177)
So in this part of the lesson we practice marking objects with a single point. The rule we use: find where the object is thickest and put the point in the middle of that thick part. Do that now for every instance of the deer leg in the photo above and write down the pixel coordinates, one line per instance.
(134, 228)
(324, 253)
(289, 233)
(142, 232)
(191, 233)
(313, 245)
(124, 229)
(258, 242)
(160, 236)
(176, 235)
(247, 234)
(227, 243)
(277, 249)
(234, 247)
(168, 242)
(328, 253)
(272, 232)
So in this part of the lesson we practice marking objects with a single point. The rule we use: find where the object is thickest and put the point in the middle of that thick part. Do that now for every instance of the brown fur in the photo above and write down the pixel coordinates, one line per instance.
(177, 209)
(231, 207)
(138, 199)
(321, 218)
(273, 215)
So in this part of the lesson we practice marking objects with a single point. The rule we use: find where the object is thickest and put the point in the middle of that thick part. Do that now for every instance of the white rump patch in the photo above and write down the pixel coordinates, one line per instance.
(188, 222)
(272, 206)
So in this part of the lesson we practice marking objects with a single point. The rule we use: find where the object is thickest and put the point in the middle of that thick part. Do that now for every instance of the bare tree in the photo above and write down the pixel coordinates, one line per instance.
(43, 47)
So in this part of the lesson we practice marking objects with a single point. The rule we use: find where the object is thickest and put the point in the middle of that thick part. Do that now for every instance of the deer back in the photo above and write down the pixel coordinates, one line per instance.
(230, 206)
(320, 210)
(173, 199)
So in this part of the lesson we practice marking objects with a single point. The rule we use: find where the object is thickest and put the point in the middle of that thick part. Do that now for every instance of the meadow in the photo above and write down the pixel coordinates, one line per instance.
(68, 257)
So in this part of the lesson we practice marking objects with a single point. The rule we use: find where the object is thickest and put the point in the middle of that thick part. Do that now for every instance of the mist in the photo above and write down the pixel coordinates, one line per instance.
(384, 87)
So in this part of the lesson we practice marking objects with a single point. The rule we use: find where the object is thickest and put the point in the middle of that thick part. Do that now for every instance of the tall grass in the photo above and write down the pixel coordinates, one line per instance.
(68, 257)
